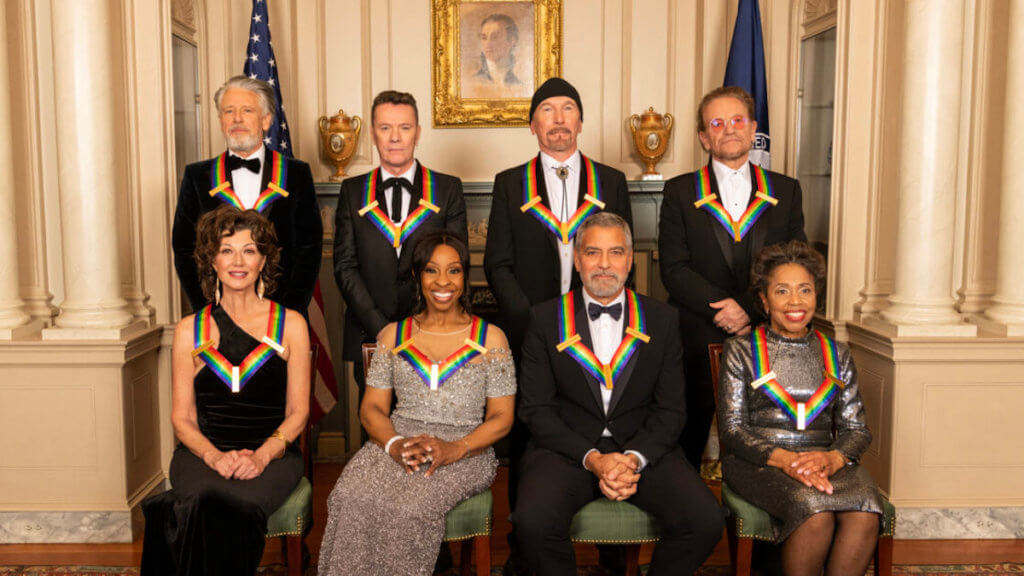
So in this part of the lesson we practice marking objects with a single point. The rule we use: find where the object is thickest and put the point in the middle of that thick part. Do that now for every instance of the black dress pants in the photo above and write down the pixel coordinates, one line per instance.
(552, 489)
(700, 404)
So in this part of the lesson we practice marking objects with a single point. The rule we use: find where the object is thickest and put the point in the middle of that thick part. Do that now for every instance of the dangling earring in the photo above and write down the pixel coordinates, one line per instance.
(259, 288)
(216, 293)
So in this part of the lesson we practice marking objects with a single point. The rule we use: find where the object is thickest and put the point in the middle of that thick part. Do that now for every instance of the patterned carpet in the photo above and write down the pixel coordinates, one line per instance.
(278, 570)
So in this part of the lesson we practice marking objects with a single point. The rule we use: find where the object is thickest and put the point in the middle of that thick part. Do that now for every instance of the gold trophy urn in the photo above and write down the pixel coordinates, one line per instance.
(651, 132)
(339, 134)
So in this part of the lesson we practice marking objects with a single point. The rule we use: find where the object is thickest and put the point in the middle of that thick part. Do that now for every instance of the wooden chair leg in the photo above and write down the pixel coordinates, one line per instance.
(465, 557)
(482, 545)
(740, 552)
(294, 555)
(883, 556)
(632, 559)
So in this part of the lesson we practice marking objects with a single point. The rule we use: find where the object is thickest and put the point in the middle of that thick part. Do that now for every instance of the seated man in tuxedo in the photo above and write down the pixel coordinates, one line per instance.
(249, 176)
(603, 396)
(380, 217)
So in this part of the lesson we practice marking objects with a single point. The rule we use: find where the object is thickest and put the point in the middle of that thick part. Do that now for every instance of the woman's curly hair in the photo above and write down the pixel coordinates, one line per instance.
(792, 252)
(224, 221)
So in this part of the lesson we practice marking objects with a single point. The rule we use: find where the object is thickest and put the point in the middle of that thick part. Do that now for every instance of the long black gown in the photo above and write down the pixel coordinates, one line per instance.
(207, 524)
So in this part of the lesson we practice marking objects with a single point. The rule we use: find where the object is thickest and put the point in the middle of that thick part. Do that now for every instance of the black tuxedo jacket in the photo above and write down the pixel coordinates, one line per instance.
(521, 256)
(377, 285)
(296, 220)
(700, 262)
(561, 403)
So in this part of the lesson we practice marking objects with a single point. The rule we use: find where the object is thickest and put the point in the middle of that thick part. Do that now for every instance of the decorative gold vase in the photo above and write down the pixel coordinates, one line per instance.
(339, 135)
(651, 132)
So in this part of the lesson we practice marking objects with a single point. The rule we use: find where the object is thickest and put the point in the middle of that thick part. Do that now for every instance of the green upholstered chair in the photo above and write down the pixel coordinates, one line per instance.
(748, 522)
(293, 519)
(469, 520)
(606, 522)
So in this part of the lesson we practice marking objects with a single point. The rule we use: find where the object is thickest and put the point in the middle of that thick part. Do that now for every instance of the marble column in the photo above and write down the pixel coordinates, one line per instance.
(922, 300)
(1006, 315)
(85, 84)
(13, 319)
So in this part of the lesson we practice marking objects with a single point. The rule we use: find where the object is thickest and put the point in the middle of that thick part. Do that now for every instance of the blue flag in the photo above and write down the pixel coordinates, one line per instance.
(746, 70)
(260, 64)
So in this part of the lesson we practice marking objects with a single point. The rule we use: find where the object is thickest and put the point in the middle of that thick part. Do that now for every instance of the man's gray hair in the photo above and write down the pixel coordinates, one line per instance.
(605, 219)
(262, 89)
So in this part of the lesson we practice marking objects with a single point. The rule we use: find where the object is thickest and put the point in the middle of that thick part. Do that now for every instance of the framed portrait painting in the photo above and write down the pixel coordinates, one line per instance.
(489, 57)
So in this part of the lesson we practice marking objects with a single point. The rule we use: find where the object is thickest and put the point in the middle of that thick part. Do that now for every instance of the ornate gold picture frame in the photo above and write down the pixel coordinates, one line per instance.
(489, 57)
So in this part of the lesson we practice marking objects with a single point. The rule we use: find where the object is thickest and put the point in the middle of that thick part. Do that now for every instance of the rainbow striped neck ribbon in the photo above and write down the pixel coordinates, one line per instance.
(709, 201)
(803, 413)
(236, 377)
(533, 203)
(569, 340)
(398, 233)
(275, 188)
(435, 374)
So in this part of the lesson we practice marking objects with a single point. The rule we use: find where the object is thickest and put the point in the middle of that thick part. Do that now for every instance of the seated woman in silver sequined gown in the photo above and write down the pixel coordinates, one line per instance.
(455, 382)
(792, 425)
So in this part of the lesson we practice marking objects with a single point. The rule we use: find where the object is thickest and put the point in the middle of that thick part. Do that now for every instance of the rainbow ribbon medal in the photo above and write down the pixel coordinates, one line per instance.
(398, 233)
(236, 377)
(275, 188)
(803, 413)
(432, 373)
(762, 199)
(569, 340)
(533, 203)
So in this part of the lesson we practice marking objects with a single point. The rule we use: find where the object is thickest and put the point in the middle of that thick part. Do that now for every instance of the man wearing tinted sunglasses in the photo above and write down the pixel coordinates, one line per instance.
(713, 223)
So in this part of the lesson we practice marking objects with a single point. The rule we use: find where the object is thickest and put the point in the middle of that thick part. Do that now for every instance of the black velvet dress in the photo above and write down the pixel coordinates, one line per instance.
(206, 524)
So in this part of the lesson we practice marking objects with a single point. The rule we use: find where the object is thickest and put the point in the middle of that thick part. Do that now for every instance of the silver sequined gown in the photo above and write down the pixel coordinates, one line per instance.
(384, 521)
(750, 426)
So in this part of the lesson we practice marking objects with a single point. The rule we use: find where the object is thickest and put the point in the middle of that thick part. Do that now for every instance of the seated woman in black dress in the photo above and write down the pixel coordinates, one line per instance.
(240, 398)
(792, 424)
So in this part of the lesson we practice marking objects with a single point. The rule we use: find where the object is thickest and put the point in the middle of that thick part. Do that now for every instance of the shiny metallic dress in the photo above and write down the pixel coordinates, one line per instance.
(751, 426)
(384, 521)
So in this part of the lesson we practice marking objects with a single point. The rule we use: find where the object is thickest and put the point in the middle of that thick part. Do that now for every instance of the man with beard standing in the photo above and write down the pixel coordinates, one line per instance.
(249, 176)
(603, 396)
(713, 223)
(535, 210)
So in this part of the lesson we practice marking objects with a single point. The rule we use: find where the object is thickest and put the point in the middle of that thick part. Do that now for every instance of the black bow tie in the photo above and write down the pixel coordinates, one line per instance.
(595, 310)
(395, 182)
(252, 164)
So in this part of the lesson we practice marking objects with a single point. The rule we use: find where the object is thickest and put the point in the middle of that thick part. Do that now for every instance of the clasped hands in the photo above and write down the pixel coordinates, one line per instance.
(417, 451)
(731, 317)
(812, 469)
(237, 464)
(616, 473)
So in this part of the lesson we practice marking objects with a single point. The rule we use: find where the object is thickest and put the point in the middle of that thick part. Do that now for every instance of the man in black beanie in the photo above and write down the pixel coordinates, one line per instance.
(530, 234)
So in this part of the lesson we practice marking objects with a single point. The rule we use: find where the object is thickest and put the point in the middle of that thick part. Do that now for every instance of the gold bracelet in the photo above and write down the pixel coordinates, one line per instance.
(280, 436)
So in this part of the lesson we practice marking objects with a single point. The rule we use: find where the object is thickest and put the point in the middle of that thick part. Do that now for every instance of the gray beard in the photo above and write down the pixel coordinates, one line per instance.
(243, 145)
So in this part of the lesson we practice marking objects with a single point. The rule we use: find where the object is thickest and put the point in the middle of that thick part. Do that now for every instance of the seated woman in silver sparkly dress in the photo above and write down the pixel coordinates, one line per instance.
(792, 424)
(455, 382)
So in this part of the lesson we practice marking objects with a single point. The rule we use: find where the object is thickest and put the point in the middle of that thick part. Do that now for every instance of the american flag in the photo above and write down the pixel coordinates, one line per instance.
(260, 64)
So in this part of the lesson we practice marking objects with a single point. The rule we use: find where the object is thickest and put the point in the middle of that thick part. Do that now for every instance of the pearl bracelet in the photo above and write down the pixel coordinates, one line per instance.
(387, 446)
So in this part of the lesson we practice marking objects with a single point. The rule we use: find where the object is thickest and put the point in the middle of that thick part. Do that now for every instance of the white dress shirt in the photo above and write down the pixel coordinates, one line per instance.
(562, 211)
(410, 176)
(733, 187)
(606, 336)
(245, 183)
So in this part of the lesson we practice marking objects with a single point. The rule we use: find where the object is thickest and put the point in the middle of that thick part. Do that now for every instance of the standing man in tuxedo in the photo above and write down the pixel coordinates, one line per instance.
(380, 217)
(249, 176)
(535, 208)
(713, 223)
(530, 232)
(602, 393)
